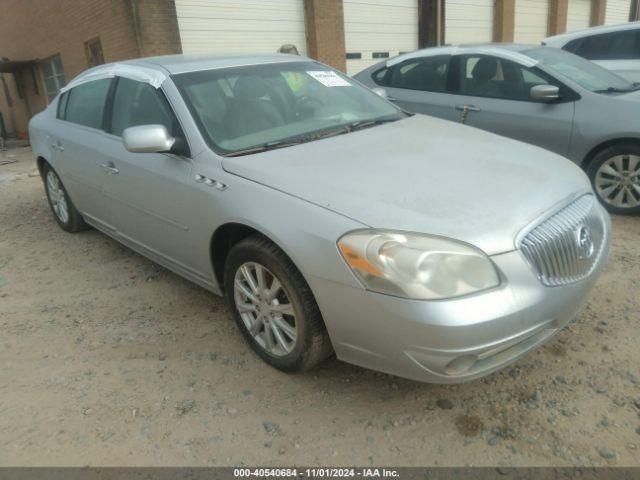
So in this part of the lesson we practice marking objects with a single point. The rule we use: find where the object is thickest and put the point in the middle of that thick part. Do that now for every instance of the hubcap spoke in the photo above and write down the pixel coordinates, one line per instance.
(609, 170)
(618, 199)
(617, 161)
(279, 338)
(256, 326)
(274, 289)
(268, 336)
(246, 291)
(246, 307)
(262, 287)
(248, 277)
(606, 191)
(284, 309)
(285, 327)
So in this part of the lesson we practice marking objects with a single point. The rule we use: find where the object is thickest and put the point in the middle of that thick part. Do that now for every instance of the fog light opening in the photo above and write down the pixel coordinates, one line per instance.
(460, 365)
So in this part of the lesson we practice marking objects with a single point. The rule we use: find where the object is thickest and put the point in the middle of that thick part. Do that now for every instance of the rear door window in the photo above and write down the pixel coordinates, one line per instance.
(427, 74)
(86, 103)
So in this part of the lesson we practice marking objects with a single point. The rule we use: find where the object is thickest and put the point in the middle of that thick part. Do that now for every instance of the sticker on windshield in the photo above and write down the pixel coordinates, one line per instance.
(329, 78)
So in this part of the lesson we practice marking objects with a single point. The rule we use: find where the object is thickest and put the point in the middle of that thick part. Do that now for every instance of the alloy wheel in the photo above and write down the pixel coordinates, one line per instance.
(617, 181)
(57, 197)
(265, 309)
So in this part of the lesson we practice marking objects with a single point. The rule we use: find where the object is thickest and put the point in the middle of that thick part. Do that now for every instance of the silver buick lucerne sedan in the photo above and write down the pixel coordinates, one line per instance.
(330, 219)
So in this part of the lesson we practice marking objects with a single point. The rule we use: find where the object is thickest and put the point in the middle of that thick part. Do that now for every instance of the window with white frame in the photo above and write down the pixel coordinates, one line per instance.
(52, 76)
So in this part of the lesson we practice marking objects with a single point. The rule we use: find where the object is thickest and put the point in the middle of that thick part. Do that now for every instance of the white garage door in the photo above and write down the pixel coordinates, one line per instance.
(531, 20)
(240, 26)
(578, 15)
(378, 29)
(617, 11)
(468, 21)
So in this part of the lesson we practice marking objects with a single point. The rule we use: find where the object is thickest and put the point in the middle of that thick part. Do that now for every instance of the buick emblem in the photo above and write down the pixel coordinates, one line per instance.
(584, 242)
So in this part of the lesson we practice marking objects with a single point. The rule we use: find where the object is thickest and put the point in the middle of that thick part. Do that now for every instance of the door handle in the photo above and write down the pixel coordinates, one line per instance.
(468, 108)
(110, 168)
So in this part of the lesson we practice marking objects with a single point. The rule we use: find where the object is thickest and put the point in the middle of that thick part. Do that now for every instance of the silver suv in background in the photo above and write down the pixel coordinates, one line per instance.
(615, 47)
(539, 95)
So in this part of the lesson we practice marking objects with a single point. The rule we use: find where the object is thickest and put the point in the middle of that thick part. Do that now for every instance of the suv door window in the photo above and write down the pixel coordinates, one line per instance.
(137, 103)
(85, 103)
(488, 76)
(609, 46)
(426, 73)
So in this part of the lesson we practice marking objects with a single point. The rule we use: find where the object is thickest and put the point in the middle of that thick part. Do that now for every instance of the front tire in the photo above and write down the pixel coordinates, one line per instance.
(274, 307)
(63, 209)
(615, 176)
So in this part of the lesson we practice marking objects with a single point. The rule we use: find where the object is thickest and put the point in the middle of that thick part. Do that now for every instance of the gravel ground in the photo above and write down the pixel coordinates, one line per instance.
(108, 359)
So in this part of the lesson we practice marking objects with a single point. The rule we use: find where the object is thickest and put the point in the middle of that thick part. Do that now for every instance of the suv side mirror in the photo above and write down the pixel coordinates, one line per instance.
(544, 93)
(148, 139)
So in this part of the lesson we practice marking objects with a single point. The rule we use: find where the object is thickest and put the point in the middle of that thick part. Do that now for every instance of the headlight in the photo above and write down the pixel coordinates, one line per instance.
(416, 266)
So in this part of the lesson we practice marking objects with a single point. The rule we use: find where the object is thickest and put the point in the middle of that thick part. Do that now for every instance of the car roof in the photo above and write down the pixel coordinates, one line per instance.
(183, 63)
(510, 51)
(154, 70)
(563, 38)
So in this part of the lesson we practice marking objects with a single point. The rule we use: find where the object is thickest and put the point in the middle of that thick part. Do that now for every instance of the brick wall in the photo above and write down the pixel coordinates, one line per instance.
(324, 22)
(598, 9)
(158, 32)
(39, 29)
(558, 10)
(503, 20)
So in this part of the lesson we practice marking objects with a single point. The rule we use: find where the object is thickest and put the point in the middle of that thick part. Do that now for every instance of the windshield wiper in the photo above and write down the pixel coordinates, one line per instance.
(260, 148)
(359, 125)
(635, 86)
(288, 142)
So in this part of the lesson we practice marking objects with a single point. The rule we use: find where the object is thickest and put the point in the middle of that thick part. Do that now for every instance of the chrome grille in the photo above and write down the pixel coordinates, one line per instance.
(559, 247)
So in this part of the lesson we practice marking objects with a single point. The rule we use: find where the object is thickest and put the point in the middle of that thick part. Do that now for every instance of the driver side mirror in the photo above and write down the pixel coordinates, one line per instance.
(148, 139)
(544, 93)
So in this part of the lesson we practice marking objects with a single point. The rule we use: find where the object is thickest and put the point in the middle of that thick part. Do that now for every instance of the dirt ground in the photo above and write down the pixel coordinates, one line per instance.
(108, 359)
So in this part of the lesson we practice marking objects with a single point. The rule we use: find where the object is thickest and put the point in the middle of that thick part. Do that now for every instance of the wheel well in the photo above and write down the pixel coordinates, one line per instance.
(40, 161)
(609, 143)
(224, 238)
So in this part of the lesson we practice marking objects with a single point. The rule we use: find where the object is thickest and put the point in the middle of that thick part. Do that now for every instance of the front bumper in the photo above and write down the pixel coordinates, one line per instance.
(450, 341)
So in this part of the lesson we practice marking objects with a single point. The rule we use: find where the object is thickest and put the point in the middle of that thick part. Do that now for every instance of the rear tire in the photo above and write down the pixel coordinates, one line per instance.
(615, 177)
(274, 307)
(63, 209)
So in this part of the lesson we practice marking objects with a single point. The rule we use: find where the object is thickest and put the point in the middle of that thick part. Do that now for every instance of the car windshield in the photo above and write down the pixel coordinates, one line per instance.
(247, 109)
(583, 72)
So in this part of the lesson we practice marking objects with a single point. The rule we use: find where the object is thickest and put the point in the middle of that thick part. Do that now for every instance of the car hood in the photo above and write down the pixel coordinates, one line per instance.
(626, 97)
(423, 174)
